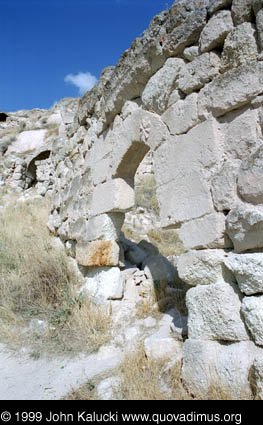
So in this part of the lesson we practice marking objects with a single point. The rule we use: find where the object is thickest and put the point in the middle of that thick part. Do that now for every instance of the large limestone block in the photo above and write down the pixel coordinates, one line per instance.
(214, 33)
(213, 366)
(224, 186)
(104, 227)
(252, 310)
(199, 72)
(202, 267)
(214, 312)
(98, 253)
(231, 90)
(182, 165)
(248, 271)
(242, 11)
(182, 116)
(158, 89)
(244, 226)
(204, 232)
(102, 284)
(241, 132)
(250, 178)
(113, 196)
(240, 47)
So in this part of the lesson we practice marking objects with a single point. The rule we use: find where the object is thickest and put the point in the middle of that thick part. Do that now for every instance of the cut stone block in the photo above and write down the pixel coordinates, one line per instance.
(199, 72)
(204, 232)
(244, 226)
(104, 227)
(252, 310)
(224, 186)
(182, 116)
(231, 90)
(240, 47)
(214, 313)
(214, 33)
(113, 196)
(157, 91)
(212, 365)
(103, 284)
(98, 254)
(248, 271)
(182, 165)
(203, 267)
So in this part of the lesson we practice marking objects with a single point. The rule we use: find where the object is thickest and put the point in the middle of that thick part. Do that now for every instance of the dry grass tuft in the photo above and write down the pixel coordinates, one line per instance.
(36, 281)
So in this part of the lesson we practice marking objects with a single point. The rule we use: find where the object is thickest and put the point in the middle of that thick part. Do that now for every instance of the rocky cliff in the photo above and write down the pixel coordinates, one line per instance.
(189, 94)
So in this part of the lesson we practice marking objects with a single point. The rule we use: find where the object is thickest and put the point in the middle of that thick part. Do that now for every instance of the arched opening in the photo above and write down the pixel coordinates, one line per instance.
(131, 161)
(146, 247)
(31, 172)
(3, 116)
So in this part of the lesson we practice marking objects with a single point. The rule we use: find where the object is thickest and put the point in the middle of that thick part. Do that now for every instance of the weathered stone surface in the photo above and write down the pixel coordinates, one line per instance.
(240, 47)
(210, 366)
(252, 310)
(256, 377)
(168, 34)
(214, 312)
(241, 133)
(244, 225)
(114, 196)
(248, 271)
(182, 116)
(27, 142)
(242, 11)
(98, 253)
(157, 347)
(214, 33)
(199, 72)
(231, 90)
(204, 232)
(215, 5)
(224, 186)
(250, 178)
(104, 227)
(190, 53)
(182, 191)
(203, 267)
(102, 284)
(158, 89)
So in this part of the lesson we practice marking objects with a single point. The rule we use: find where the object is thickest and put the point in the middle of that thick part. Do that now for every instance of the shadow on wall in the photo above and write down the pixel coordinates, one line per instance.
(169, 289)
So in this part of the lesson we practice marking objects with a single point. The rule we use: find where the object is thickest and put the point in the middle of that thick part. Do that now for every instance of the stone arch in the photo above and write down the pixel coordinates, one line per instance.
(32, 168)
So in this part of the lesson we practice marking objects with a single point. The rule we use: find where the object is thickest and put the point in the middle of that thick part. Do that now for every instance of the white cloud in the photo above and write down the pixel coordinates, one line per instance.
(84, 81)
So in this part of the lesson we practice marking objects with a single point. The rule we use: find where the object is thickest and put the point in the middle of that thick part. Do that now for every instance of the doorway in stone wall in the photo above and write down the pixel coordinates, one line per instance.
(146, 248)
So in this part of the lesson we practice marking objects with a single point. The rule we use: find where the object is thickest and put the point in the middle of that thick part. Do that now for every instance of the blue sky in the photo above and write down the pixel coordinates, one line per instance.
(44, 42)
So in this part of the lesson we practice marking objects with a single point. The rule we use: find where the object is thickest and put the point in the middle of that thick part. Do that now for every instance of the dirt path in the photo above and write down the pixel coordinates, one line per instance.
(23, 378)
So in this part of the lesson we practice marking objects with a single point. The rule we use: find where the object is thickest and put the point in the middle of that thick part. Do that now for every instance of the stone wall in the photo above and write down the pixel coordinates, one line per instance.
(189, 94)
(190, 91)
